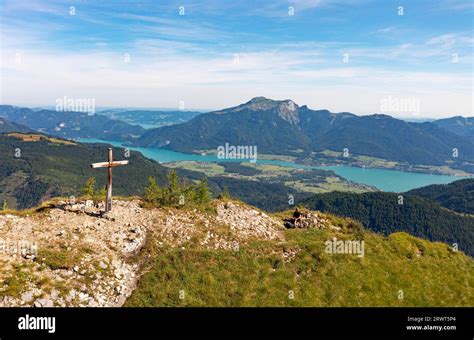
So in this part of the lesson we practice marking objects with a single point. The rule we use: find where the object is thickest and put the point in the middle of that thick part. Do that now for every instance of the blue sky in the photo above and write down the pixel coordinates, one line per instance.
(343, 55)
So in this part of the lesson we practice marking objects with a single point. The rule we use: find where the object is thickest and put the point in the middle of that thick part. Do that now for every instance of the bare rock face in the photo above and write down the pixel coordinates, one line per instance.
(288, 110)
(74, 255)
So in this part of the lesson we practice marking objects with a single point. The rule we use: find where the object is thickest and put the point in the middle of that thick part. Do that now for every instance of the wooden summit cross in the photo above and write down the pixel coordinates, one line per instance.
(110, 164)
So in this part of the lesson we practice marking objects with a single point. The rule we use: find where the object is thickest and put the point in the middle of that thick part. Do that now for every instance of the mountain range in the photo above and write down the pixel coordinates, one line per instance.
(284, 128)
(275, 127)
(463, 126)
(71, 125)
(153, 118)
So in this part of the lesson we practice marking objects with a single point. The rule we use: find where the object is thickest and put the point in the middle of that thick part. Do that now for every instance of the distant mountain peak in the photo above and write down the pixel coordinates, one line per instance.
(266, 102)
(286, 109)
(260, 99)
(462, 126)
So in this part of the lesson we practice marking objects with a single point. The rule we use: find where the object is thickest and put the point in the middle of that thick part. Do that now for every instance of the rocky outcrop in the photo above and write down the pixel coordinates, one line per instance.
(249, 222)
(309, 219)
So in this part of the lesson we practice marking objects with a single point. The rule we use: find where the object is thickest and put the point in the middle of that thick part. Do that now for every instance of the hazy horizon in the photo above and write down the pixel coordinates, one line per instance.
(158, 109)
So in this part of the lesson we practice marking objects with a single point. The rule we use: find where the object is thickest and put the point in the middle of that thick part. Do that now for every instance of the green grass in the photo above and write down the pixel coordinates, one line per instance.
(256, 275)
(61, 258)
(31, 211)
(278, 157)
(330, 184)
(17, 281)
(210, 169)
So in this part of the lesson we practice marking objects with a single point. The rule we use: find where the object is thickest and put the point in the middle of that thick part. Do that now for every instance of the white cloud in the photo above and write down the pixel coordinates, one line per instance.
(388, 29)
(448, 41)
(216, 82)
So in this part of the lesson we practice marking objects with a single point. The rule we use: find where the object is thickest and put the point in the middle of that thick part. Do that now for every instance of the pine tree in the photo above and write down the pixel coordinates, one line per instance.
(174, 188)
(203, 194)
(153, 192)
(189, 195)
(173, 181)
(89, 188)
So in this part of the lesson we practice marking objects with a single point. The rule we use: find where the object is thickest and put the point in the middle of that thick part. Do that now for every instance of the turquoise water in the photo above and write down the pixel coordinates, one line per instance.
(386, 180)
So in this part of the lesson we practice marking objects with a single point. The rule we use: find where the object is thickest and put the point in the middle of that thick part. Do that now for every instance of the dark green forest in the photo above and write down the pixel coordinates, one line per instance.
(457, 196)
(387, 213)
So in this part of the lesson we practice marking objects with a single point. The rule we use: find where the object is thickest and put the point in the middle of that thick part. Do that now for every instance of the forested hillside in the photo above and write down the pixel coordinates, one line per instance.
(462, 126)
(7, 126)
(457, 196)
(383, 212)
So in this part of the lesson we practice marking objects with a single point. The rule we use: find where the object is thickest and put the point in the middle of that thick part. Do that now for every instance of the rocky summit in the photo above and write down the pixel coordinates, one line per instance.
(286, 109)
(71, 254)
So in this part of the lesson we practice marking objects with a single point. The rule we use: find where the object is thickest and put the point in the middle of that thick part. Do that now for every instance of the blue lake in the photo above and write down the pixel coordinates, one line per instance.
(386, 180)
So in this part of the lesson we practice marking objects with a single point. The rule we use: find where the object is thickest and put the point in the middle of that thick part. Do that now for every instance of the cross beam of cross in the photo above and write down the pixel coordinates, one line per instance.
(110, 164)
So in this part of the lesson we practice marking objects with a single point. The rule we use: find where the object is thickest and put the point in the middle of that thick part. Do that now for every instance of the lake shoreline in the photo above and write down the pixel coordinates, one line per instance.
(381, 178)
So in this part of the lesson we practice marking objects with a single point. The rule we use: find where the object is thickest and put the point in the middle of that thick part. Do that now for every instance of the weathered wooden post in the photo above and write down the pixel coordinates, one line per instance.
(110, 164)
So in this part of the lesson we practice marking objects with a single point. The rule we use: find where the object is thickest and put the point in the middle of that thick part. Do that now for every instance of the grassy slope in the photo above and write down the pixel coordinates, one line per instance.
(256, 275)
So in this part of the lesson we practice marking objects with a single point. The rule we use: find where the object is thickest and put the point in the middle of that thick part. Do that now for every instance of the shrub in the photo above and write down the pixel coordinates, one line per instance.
(224, 194)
